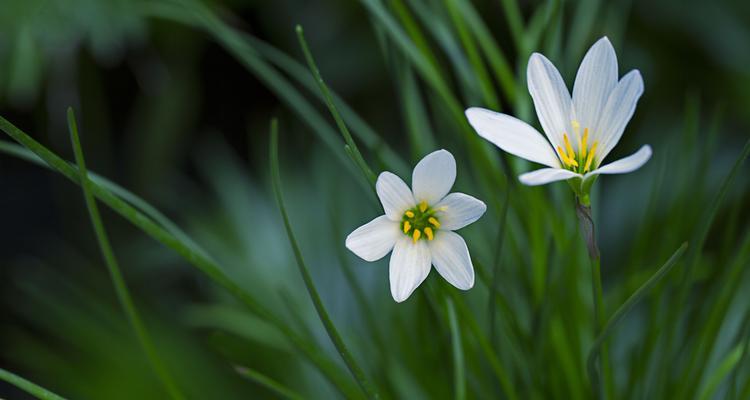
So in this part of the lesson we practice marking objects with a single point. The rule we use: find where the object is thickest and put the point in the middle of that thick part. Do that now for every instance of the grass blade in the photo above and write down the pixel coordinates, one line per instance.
(358, 159)
(459, 374)
(330, 328)
(28, 387)
(268, 383)
(621, 312)
(121, 288)
(193, 256)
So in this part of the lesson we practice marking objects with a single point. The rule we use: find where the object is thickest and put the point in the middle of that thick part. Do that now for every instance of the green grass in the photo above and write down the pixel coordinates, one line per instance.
(543, 320)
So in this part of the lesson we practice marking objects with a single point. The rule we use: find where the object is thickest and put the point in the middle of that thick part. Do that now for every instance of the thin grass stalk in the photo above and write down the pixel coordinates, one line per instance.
(330, 328)
(194, 257)
(28, 386)
(121, 288)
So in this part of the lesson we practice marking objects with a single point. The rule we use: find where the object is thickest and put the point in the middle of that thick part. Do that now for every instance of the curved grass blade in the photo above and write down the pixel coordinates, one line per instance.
(482, 76)
(193, 256)
(358, 159)
(121, 288)
(28, 386)
(268, 383)
(621, 312)
(119, 191)
(728, 364)
(459, 373)
(330, 328)
(364, 132)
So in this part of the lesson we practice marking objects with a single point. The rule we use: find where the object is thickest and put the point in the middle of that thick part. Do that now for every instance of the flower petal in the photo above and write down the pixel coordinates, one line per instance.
(451, 259)
(551, 98)
(595, 80)
(512, 135)
(395, 196)
(433, 176)
(625, 165)
(618, 111)
(457, 210)
(546, 175)
(373, 240)
(410, 264)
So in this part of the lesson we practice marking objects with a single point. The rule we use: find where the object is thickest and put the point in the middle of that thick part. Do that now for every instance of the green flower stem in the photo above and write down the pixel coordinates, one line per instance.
(356, 154)
(621, 312)
(28, 387)
(194, 256)
(330, 328)
(121, 288)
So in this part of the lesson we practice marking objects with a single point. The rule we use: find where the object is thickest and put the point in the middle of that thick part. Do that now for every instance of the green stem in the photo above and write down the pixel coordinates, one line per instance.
(28, 387)
(123, 294)
(330, 328)
(357, 155)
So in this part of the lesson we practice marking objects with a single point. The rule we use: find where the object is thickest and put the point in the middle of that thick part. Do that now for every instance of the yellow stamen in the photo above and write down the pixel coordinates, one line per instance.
(583, 143)
(434, 222)
(567, 161)
(407, 226)
(428, 232)
(416, 235)
(423, 206)
(590, 158)
(410, 214)
(569, 148)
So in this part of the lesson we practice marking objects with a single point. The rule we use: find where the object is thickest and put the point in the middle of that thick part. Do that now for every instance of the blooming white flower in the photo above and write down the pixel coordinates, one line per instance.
(582, 130)
(418, 226)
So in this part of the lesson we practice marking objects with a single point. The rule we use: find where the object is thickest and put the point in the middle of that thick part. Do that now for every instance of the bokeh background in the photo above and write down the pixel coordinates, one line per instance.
(169, 112)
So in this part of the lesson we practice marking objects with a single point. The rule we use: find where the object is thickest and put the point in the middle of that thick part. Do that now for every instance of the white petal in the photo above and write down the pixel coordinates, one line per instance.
(451, 259)
(625, 165)
(373, 240)
(551, 98)
(618, 111)
(595, 80)
(512, 135)
(410, 264)
(433, 176)
(395, 196)
(546, 175)
(457, 210)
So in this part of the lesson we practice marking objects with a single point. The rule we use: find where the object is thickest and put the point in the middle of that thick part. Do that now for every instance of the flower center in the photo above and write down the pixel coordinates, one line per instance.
(581, 162)
(420, 220)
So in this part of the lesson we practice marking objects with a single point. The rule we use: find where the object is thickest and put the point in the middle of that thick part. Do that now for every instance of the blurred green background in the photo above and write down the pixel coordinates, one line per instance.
(174, 101)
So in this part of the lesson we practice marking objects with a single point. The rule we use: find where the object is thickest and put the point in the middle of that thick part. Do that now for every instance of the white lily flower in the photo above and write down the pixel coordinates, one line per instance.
(418, 226)
(582, 130)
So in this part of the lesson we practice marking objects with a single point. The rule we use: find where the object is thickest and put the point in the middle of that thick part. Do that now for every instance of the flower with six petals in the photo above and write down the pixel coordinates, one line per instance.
(581, 129)
(418, 227)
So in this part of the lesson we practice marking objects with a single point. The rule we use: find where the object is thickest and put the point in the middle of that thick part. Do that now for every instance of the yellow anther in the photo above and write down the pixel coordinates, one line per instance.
(423, 206)
(571, 153)
(565, 159)
(416, 235)
(409, 214)
(576, 128)
(434, 222)
(428, 232)
(590, 158)
(584, 144)
(407, 226)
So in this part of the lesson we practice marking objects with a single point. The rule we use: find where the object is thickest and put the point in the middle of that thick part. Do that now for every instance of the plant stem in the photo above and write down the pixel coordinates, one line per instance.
(121, 288)
(330, 328)
(27, 386)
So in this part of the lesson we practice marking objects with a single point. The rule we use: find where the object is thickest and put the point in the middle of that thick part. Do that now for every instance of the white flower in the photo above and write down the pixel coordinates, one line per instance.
(418, 226)
(582, 130)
